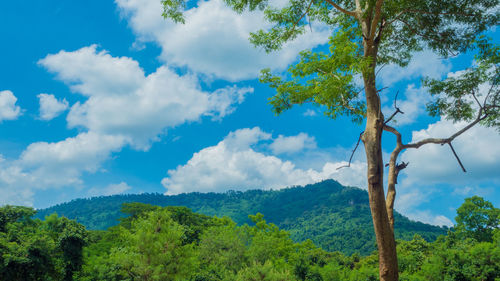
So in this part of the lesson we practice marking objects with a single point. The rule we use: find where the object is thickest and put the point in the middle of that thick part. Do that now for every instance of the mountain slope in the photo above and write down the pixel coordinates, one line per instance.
(335, 217)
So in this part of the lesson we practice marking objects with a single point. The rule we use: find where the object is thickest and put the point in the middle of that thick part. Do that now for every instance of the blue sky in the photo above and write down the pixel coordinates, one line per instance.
(107, 97)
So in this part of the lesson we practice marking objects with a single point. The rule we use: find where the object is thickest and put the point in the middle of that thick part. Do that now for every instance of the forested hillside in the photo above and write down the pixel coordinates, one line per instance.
(334, 217)
(173, 243)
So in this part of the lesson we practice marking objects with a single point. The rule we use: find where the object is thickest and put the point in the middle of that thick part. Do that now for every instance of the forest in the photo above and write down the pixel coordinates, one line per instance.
(334, 217)
(175, 243)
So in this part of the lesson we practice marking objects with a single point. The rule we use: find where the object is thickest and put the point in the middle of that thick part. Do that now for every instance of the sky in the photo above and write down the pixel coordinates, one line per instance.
(103, 97)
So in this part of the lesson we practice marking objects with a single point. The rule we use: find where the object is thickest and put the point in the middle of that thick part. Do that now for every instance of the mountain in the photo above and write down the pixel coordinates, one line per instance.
(335, 217)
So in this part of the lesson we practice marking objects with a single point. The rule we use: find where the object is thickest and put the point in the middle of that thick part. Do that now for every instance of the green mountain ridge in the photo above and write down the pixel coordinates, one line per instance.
(334, 217)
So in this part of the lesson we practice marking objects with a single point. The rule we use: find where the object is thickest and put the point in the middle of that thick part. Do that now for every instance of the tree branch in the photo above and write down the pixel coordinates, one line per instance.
(352, 154)
(449, 139)
(336, 6)
(376, 18)
(395, 112)
(456, 156)
(302, 16)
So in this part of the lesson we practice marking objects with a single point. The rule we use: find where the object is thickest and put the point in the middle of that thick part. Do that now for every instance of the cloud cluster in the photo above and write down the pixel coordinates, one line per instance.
(8, 108)
(214, 39)
(123, 101)
(236, 163)
(123, 107)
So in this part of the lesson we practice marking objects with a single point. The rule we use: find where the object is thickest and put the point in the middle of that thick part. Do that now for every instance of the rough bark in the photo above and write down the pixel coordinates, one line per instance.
(372, 139)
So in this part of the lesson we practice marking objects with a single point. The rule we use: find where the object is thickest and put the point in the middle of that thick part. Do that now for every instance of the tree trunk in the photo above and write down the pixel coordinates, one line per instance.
(372, 139)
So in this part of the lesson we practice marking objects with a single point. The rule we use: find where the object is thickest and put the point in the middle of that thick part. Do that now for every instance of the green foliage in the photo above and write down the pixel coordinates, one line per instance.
(334, 217)
(173, 9)
(31, 249)
(152, 245)
(447, 27)
(323, 79)
(153, 250)
(459, 97)
(478, 219)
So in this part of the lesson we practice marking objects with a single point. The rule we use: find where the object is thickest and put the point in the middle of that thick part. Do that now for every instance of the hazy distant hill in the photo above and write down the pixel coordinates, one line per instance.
(335, 217)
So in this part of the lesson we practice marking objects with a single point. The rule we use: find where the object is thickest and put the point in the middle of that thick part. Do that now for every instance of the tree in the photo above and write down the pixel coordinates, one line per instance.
(367, 34)
(477, 218)
(152, 249)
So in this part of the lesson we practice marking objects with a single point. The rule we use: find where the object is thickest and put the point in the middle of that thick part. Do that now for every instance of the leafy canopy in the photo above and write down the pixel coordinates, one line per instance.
(447, 27)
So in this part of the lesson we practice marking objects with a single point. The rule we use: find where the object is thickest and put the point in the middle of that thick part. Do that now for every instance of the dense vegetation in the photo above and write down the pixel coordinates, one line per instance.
(334, 217)
(174, 243)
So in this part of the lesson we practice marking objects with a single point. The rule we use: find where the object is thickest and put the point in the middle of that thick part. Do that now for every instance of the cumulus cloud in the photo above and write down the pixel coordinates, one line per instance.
(428, 217)
(50, 107)
(235, 163)
(47, 165)
(8, 108)
(214, 39)
(292, 144)
(122, 100)
(123, 107)
(53, 165)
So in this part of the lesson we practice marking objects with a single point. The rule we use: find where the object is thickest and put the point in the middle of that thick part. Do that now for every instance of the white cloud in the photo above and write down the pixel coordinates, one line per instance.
(309, 113)
(292, 144)
(123, 101)
(214, 39)
(111, 189)
(425, 63)
(50, 107)
(8, 108)
(52, 165)
(123, 107)
(235, 164)
(429, 217)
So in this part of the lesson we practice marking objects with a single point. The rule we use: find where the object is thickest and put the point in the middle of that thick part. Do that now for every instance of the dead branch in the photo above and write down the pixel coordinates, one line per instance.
(456, 156)
(396, 108)
(352, 154)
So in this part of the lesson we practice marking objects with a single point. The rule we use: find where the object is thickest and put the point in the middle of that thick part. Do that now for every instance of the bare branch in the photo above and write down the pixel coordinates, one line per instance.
(445, 140)
(352, 154)
(349, 13)
(456, 156)
(395, 107)
(448, 140)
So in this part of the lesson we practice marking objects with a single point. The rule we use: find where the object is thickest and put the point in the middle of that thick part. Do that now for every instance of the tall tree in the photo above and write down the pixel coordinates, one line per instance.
(367, 34)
